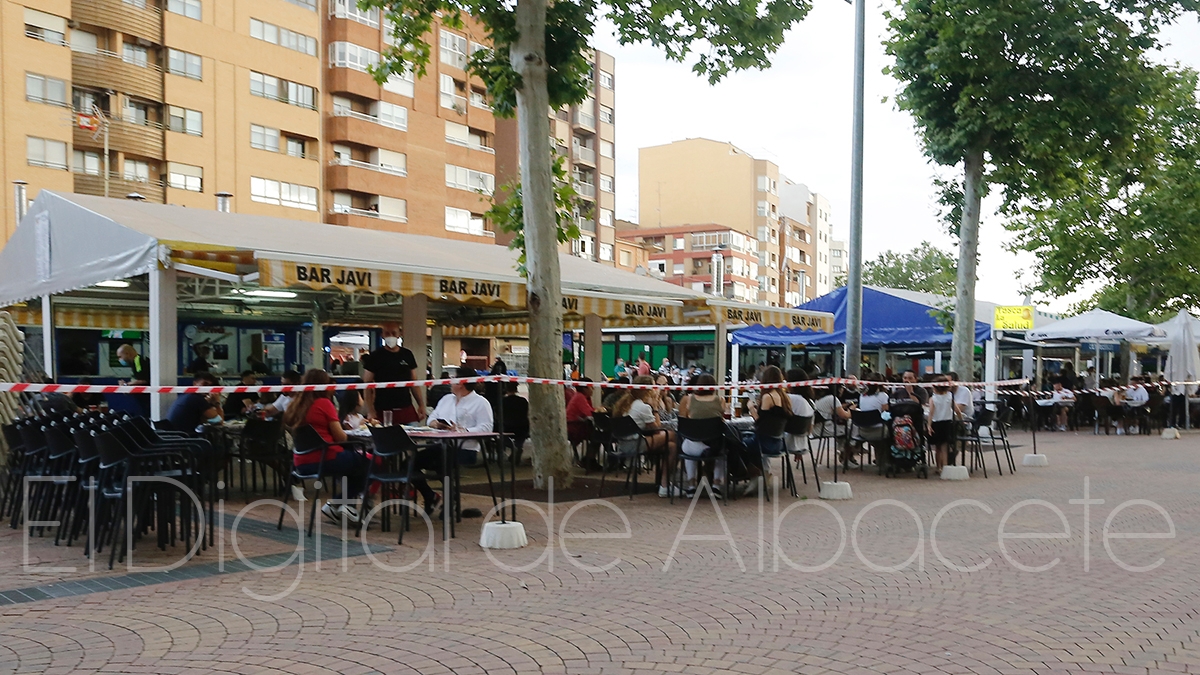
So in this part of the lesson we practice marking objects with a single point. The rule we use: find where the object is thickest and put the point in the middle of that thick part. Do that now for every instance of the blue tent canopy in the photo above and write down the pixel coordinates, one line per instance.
(887, 321)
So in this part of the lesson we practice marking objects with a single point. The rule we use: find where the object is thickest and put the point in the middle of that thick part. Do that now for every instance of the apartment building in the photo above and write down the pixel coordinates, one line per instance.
(704, 181)
(687, 255)
(839, 261)
(190, 98)
(584, 135)
(269, 100)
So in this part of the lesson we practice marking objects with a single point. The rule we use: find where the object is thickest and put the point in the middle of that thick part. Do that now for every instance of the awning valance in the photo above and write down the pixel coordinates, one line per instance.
(631, 310)
(83, 318)
(317, 274)
(712, 310)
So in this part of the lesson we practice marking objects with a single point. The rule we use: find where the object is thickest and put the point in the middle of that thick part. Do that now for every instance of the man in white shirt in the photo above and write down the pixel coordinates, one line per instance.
(1132, 400)
(464, 410)
(963, 397)
(280, 404)
(1062, 400)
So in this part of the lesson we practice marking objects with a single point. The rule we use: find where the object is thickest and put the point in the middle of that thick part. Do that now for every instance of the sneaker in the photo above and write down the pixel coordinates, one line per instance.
(349, 513)
(718, 491)
(1120, 431)
(751, 487)
(332, 514)
(689, 492)
(435, 509)
(672, 491)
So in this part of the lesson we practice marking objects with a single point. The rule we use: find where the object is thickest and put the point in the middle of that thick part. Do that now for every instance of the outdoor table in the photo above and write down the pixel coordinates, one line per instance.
(449, 440)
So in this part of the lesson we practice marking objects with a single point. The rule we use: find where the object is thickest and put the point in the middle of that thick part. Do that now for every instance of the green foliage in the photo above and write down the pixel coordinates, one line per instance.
(925, 268)
(1040, 87)
(724, 36)
(1132, 227)
(508, 214)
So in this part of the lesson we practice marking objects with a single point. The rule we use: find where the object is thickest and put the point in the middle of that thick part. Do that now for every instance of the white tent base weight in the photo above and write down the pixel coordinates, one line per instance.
(1035, 460)
(955, 472)
(503, 536)
(838, 490)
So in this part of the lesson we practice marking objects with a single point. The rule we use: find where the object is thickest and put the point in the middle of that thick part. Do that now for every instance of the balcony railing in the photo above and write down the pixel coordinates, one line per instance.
(455, 102)
(585, 154)
(50, 37)
(469, 144)
(107, 70)
(391, 124)
(381, 168)
(453, 58)
(585, 224)
(367, 213)
(118, 186)
(142, 18)
(585, 119)
(585, 189)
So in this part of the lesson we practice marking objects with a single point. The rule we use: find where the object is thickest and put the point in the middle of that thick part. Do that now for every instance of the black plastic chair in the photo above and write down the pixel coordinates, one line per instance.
(869, 429)
(396, 454)
(1003, 422)
(261, 447)
(771, 431)
(305, 442)
(970, 440)
(827, 438)
(709, 431)
(799, 428)
(629, 445)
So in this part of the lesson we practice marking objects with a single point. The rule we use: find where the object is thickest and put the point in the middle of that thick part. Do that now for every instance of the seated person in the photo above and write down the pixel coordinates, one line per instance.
(612, 394)
(874, 398)
(579, 413)
(634, 404)
(350, 404)
(437, 391)
(190, 411)
(1062, 400)
(316, 409)
(280, 404)
(702, 405)
(1132, 401)
(237, 405)
(85, 401)
(516, 417)
(910, 392)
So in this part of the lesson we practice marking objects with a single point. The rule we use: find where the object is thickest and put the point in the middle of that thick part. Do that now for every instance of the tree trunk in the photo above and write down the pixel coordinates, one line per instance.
(962, 350)
(547, 410)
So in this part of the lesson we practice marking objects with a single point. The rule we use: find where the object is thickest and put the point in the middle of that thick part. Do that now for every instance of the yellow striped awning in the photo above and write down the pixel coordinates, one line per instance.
(319, 276)
(712, 310)
(83, 318)
(632, 311)
(487, 330)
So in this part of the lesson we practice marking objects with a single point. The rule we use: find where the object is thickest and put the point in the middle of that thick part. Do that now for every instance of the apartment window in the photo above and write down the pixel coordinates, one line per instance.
(606, 114)
(837, 252)
(678, 243)
(458, 134)
(350, 55)
(625, 258)
(606, 217)
(479, 99)
(291, 195)
(402, 84)
(137, 171)
(606, 149)
(763, 209)
(136, 112)
(659, 266)
(45, 152)
(453, 49)
(42, 89)
(264, 138)
(391, 115)
(462, 220)
(84, 42)
(185, 176)
(269, 86)
(606, 252)
(606, 183)
(606, 79)
(135, 54)
(185, 64)
(86, 162)
(45, 27)
(678, 270)
(185, 121)
(450, 96)
(188, 8)
(296, 146)
(277, 35)
(469, 179)
(391, 161)
(348, 9)
(306, 4)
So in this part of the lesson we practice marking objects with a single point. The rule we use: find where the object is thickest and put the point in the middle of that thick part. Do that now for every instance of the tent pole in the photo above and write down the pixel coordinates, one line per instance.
(164, 337)
(47, 337)
(735, 366)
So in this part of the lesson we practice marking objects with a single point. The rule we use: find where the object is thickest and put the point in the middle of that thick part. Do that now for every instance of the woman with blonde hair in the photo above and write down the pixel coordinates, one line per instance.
(635, 404)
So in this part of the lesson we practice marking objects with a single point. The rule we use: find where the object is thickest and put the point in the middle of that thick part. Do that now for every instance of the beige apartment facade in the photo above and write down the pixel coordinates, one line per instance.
(685, 255)
(584, 135)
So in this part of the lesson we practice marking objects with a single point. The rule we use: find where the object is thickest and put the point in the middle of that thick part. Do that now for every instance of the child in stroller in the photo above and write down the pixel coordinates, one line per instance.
(908, 441)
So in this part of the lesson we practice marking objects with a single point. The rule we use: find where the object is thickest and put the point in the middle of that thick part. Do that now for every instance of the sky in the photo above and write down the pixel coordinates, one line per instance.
(798, 113)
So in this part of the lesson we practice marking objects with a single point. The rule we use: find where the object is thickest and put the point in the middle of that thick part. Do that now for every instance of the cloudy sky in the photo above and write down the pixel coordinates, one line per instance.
(798, 115)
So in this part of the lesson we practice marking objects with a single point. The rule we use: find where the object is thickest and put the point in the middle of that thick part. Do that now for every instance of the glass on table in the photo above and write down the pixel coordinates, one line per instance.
(387, 418)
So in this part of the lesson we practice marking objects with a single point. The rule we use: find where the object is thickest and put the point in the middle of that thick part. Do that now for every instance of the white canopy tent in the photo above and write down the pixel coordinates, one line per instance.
(1183, 361)
(1098, 324)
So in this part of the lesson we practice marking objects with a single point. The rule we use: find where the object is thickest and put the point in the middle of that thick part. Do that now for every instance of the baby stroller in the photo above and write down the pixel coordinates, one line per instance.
(908, 446)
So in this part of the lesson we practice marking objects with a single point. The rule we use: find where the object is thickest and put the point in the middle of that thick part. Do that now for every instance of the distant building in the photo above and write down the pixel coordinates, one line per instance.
(683, 255)
(839, 261)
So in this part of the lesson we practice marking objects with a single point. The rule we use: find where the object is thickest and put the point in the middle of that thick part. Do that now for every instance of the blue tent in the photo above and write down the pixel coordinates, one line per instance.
(887, 321)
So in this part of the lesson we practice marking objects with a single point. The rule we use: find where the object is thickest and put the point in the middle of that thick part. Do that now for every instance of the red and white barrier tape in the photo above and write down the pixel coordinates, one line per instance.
(31, 387)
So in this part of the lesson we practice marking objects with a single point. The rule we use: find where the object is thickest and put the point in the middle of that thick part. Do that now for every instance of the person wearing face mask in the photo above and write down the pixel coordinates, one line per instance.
(393, 363)
(140, 365)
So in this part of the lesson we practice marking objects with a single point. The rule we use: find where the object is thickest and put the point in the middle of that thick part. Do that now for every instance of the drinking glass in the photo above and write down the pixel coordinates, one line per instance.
(387, 418)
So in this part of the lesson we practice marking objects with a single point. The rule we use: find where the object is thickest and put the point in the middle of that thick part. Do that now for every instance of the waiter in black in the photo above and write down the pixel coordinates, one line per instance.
(393, 363)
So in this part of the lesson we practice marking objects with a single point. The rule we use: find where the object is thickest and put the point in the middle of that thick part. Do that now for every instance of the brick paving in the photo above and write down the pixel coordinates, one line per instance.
(607, 605)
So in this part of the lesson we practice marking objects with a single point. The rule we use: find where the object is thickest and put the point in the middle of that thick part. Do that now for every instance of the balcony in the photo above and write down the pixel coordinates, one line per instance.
(366, 213)
(454, 59)
(473, 145)
(105, 70)
(356, 176)
(585, 190)
(585, 155)
(454, 102)
(139, 18)
(585, 119)
(585, 224)
(119, 186)
(364, 130)
(143, 140)
(354, 114)
(381, 168)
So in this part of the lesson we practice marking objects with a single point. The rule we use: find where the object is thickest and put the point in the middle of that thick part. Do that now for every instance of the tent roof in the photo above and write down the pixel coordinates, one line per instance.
(1173, 326)
(984, 311)
(887, 320)
(70, 241)
(1098, 324)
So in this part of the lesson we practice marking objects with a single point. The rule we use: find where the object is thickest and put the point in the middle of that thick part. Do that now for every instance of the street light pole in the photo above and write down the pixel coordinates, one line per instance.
(854, 290)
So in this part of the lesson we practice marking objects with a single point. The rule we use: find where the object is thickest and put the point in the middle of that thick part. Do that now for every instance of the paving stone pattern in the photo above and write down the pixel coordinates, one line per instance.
(607, 605)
